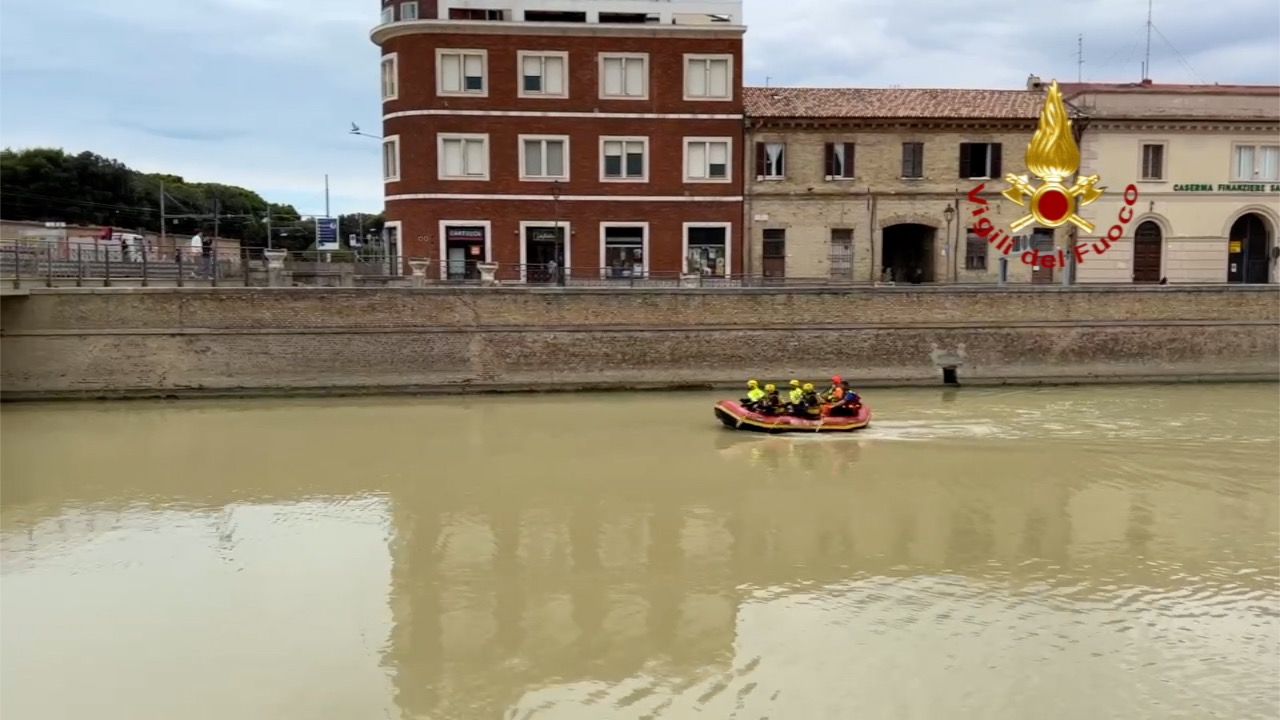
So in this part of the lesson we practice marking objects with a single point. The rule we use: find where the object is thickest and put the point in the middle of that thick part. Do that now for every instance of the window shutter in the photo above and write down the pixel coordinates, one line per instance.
(761, 160)
(848, 160)
(829, 159)
(553, 76)
(612, 76)
(964, 160)
(997, 160)
(907, 163)
(718, 82)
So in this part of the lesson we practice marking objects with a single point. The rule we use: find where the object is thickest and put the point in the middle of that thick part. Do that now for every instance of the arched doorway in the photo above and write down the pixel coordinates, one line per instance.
(1249, 250)
(1148, 245)
(908, 253)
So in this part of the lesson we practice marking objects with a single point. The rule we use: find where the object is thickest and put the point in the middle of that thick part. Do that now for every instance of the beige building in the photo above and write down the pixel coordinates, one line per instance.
(1206, 161)
(866, 185)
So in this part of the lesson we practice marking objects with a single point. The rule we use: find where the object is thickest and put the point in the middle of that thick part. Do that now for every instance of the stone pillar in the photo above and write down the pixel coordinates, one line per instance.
(419, 270)
(487, 272)
(276, 276)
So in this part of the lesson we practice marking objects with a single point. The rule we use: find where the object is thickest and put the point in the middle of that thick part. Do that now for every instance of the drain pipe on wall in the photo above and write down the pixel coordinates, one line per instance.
(748, 216)
(874, 276)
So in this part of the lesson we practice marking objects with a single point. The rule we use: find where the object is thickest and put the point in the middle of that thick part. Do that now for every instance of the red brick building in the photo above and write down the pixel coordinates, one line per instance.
(601, 137)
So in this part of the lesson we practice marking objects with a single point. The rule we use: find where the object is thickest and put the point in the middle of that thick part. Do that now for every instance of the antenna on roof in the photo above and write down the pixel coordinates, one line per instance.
(1080, 58)
(767, 78)
(1146, 64)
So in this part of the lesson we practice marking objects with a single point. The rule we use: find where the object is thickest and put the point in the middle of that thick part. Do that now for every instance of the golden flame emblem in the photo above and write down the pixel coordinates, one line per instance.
(1052, 156)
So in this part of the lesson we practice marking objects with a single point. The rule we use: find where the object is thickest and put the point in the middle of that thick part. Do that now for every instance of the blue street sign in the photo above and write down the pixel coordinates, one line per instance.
(327, 234)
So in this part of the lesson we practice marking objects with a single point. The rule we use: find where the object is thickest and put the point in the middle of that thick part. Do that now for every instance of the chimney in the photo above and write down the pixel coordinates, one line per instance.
(1033, 83)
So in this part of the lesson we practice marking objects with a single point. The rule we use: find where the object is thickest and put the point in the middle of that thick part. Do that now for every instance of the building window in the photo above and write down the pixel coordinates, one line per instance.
(975, 251)
(706, 159)
(980, 161)
(464, 157)
(624, 159)
(912, 160)
(1256, 163)
(542, 74)
(839, 161)
(1153, 161)
(624, 76)
(708, 77)
(623, 249)
(708, 249)
(409, 11)
(388, 14)
(390, 73)
(544, 157)
(391, 159)
(841, 254)
(461, 72)
(771, 160)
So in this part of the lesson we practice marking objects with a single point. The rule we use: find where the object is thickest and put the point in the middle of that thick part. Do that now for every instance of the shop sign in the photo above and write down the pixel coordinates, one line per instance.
(1228, 187)
(464, 233)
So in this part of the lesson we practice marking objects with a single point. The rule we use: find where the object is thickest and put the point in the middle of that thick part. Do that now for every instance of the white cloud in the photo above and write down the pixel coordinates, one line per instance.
(274, 84)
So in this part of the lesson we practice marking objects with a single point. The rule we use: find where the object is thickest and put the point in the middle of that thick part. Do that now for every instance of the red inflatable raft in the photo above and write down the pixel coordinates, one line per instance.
(733, 415)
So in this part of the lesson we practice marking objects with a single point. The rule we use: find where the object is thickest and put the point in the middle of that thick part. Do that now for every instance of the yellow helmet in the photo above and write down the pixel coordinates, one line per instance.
(752, 383)
(808, 386)
(770, 387)
(795, 383)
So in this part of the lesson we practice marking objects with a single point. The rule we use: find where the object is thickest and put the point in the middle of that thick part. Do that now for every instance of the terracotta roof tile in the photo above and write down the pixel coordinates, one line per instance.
(906, 103)
(1069, 89)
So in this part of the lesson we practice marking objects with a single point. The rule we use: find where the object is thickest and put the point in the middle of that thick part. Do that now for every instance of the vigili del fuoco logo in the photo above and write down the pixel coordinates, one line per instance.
(1052, 157)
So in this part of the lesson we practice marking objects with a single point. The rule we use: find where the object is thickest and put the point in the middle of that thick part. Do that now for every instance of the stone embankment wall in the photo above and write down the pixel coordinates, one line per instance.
(198, 341)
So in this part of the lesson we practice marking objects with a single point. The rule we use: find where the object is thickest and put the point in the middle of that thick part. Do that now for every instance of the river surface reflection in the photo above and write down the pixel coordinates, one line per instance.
(1078, 553)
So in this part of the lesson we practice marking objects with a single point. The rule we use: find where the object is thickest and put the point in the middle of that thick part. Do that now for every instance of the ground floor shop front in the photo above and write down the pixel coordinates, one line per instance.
(560, 242)
(1176, 238)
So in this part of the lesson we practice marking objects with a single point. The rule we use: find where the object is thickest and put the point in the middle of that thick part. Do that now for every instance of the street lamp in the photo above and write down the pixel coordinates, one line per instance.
(949, 213)
(355, 130)
(555, 199)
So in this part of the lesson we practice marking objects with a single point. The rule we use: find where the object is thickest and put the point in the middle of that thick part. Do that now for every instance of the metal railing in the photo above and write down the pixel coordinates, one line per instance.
(50, 264)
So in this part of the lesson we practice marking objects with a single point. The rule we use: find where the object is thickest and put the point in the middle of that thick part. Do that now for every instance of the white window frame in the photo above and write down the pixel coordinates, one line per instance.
(644, 244)
(405, 5)
(1142, 161)
(565, 228)
(691, 58)
(728, 244)
(543, 138)
(600, 63)
(388, 15)
(440, 141)
(1257, 155)
(442, 241)
(395, 141)
(644, 178)
(462, 53)
(728, 160)
(564, 81)
(392, 60)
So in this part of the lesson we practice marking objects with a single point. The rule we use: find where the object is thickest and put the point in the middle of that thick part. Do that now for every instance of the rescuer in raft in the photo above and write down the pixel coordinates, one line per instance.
(795, 398)
(754, 395)
(837, 389)
(849, 403)
(771, 404)
(810, 405)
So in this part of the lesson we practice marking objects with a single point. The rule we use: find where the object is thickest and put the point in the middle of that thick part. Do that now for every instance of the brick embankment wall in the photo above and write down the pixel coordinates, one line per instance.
(201, 341)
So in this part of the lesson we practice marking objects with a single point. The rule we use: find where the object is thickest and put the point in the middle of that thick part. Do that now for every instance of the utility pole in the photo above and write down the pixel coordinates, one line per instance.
(1146, 64)
(163, 221)
(217, 208)
(1080, 58)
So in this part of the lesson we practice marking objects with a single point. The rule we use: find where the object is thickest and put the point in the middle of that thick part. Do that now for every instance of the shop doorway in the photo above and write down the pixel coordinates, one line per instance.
(774, 255)
(908, 253)
(1148, 249)
(1042, 241)
(1249, 250)
(544, 256)
(463, 251)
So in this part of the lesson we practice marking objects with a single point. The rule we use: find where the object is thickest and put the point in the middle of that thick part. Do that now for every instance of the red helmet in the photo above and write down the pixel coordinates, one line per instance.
(836, 379)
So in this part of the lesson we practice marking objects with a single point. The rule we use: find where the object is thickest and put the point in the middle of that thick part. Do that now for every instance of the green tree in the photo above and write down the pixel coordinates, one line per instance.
(87, 189)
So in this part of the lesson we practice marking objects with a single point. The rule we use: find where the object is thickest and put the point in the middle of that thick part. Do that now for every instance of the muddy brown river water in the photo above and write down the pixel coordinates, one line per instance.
(994, 554)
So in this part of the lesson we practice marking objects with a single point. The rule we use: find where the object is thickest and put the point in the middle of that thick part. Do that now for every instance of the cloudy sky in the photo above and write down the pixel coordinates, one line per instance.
(261, 93)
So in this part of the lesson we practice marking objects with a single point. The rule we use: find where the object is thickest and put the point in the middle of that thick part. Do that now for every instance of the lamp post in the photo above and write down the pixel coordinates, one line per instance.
(555, 200)
(949, 213)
